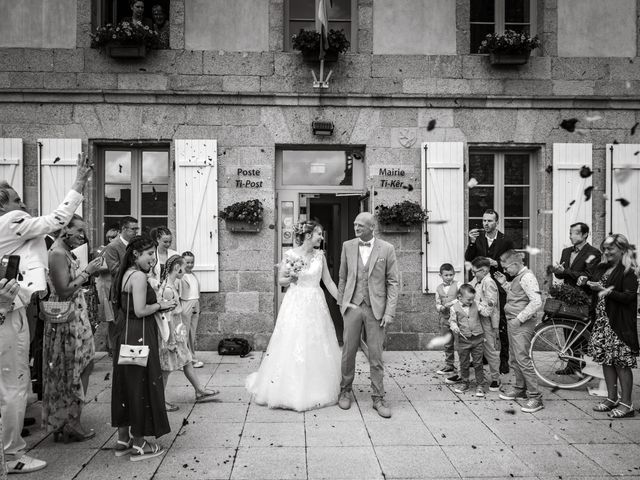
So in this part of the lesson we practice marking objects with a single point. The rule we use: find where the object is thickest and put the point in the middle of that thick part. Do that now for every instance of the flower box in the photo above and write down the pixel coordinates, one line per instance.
(397, 228)
(308, 42)
(116, 50)
(509, 58)
(246, 227)
(313, 56)
(558, 308)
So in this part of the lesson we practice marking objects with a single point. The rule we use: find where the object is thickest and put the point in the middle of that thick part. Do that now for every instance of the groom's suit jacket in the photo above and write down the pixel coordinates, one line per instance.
(383, 277)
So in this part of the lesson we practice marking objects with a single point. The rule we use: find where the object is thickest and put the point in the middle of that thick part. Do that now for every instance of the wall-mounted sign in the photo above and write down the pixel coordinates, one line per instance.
(248, 182)
(389, 177)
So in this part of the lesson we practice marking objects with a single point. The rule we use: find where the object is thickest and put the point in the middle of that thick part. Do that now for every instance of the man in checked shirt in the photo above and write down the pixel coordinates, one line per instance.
(523, 302)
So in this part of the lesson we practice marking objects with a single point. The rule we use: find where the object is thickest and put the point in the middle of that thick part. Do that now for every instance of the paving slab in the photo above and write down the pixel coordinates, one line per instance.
(524, 432)
(486, 461)
(464, 432)
(557, 460)
(400, 433)
(336, 434)
(270, 463)
(415, 462)
(285, 434)
(589, 431)
(205, 463)
(343, 463)
(615, 459)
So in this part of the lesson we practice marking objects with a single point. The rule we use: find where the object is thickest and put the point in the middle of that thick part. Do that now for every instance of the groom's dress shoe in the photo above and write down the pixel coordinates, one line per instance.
(344, 402)
(382, 409)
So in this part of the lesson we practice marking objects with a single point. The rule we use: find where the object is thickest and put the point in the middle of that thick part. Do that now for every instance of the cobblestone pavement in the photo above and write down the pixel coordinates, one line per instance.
(434, 433)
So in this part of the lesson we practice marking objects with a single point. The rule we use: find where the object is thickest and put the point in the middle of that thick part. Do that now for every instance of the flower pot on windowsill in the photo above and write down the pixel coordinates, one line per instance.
(240, 226)
(118, 50)
(312, 56)
(397, 228)
(509, 58)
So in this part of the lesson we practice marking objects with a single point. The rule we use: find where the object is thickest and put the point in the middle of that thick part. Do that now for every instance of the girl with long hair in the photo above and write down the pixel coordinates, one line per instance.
(614, 339)
(175, 352)
(137, 395)
(163, 238)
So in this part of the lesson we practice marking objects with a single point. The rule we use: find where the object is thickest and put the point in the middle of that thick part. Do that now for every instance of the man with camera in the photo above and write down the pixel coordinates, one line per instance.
(23, 236)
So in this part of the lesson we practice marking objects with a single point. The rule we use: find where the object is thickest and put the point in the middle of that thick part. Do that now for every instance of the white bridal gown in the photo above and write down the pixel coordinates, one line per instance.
(301, 367)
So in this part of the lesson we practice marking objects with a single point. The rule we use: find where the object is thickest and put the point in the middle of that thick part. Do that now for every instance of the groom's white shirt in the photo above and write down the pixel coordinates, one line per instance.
(365, 252)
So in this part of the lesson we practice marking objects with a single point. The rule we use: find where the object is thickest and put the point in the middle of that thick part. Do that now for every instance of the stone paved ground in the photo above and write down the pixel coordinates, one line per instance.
(434, 433)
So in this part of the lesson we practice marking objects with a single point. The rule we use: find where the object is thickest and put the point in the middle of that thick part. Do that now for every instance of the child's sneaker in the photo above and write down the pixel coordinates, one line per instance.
(462, 387)
(447, 370)
(513, 394)
(453, 379)
(533, 405)
(495, 386)
(479, 392)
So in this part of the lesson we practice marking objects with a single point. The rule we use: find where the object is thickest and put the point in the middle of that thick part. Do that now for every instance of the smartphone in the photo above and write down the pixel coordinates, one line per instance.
(9, 267)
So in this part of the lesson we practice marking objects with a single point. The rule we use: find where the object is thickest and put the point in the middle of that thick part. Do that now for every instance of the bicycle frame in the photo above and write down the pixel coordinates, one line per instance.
(573, 338)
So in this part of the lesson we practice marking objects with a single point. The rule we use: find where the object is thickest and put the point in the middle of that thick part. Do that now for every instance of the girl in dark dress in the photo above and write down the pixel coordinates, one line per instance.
(137, 396)
(614, 339)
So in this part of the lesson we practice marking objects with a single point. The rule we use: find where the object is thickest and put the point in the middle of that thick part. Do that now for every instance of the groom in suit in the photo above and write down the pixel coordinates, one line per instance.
(367, 295)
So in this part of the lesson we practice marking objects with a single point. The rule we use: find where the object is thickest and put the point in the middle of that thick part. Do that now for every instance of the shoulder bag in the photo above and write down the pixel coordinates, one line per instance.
(133, 354)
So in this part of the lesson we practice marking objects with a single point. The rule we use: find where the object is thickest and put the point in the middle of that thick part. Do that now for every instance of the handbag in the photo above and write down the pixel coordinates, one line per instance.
(55, 311)
(133, 354)
(234, 346)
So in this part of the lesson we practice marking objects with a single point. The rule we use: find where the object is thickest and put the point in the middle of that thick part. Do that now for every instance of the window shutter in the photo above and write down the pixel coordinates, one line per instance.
(443, 197)
(197, 207)
(58, 168)
(623, 182)
(569, 186)
(11, 163)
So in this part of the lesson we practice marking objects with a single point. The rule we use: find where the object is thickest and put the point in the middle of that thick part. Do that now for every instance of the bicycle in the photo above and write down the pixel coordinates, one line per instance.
(560, 343)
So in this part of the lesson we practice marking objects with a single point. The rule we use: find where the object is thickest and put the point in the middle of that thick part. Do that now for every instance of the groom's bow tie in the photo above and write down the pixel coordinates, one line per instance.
(364, 244)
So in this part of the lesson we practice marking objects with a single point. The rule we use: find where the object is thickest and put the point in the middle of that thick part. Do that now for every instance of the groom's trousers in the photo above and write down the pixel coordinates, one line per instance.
(354, 320)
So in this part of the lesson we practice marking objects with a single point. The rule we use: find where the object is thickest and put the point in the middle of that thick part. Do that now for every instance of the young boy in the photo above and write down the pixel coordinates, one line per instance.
(523, 301)
(446, 294)
(465, 322)
(488, 307)
(190, 300)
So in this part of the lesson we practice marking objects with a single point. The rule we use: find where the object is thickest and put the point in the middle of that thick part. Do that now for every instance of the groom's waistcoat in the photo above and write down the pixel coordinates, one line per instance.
(361, 292)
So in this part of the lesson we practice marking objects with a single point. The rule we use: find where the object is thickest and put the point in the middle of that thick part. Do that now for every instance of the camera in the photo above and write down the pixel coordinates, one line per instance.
(9, 266)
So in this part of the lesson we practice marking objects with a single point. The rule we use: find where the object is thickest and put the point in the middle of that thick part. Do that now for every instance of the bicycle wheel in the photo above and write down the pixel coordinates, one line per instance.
(550, 352)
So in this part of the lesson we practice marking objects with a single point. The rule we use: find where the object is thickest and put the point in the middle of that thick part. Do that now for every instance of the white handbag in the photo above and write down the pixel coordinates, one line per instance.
(133, 354)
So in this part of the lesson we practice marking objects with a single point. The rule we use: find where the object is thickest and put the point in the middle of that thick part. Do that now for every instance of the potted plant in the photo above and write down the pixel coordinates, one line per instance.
(125, 39)
(567, 301)
(308, 42)
(400, 217)
(244, 216)
(509, 48)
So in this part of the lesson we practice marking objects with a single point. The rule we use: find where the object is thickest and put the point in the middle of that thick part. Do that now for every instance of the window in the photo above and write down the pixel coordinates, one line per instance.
(301, 14)
(505, 183)
(135, 182)
(113, 11)
(489, 16)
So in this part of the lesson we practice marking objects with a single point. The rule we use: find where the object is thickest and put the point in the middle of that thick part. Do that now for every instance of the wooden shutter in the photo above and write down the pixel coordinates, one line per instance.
(58, 167)
(569, 201)
(443, 197)
(623, 182)
(11, 163)
(197, 207)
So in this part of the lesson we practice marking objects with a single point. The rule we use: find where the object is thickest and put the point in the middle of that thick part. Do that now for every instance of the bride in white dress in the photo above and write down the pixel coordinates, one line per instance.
(301, 367)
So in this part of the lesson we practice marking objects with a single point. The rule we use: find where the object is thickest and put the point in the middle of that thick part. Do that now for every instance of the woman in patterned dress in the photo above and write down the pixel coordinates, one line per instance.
(68, 348)
(614, 340)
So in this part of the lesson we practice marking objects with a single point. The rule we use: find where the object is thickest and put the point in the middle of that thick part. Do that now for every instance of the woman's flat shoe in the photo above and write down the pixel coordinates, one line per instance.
(617, 413)
(171, 407)
(123, 448)
(140, 454)
(206, 396)
(605, 406)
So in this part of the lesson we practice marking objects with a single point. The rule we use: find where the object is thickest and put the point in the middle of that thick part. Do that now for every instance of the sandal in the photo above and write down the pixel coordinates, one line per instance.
(206, 396)
(140, 454)
(123, 448)
(606, 407)
(171, 407)
(617, 413)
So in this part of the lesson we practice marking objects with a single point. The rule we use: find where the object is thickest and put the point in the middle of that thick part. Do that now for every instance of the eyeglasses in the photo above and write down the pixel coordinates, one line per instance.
(508, 265)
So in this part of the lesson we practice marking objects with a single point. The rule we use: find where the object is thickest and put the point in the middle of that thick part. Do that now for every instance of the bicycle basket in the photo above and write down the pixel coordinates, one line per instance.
(557, 308)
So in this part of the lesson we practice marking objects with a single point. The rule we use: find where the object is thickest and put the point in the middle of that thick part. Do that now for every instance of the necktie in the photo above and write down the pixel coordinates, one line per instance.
(365, 244)
(576, 249)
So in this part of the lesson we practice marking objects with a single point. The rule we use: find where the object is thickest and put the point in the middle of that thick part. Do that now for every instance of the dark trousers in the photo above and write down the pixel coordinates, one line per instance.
(470, 351)
(503, 329)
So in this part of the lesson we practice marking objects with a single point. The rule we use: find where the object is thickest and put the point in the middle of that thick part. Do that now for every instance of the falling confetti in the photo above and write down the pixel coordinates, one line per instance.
(558, 453)
(437, 222)
(56, 160)
(546, 212)
(431, 125)
(119, 168)
(472, 183)
(585, 172)
(570, 205)
(569, 124)
(549, 169)
(587, 193)
(439, 341)
(633, 129)
(590, 258)
(623, 201)
(107, 376)
(510, 411)
(532, 250)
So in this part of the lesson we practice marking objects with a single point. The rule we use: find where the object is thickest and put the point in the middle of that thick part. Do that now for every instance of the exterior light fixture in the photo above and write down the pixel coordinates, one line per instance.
(322, 128)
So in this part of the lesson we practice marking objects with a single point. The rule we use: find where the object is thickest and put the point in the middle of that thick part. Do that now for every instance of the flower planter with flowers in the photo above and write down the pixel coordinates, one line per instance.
(308, 42)
(125, 39)
(244, 216)
(404, 217)
(567, 301)
(509, 48)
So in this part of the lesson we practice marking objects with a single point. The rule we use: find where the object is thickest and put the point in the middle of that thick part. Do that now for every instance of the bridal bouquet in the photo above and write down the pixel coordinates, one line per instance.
(294, 266)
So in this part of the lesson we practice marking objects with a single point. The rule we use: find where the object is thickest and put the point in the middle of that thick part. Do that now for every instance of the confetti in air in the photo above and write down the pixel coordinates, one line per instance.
(472, 182)
(585, 172)
(439, 341)
(590, 258)
(587, 193)
(633, 129)
(623, 201)
(570, 205)
(569, 124)
(532, 250)
(431, 125)
(549, 169)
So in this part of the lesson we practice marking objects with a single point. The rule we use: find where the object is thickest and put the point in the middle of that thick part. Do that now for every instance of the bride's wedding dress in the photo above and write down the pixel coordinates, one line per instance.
(301, 367)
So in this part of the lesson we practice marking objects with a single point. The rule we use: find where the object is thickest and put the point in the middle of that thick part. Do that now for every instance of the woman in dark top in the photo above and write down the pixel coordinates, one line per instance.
(137, 396)
(614, 339)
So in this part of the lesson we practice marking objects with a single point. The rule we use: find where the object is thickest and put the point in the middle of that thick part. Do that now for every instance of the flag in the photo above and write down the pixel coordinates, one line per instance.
(322, 26)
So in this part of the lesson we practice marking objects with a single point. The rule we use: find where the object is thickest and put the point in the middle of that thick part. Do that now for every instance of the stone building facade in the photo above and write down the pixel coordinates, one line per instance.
(230, 94)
